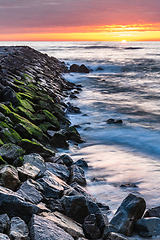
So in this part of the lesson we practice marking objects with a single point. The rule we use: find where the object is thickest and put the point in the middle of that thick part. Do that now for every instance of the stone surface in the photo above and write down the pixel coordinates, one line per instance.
(83, 69)
(70, 226)
(152, 212)
(13, 204)
(73, 134)
(83, 192)
(59, 141)
(81, 163)
(91, 227)
(148, 227)
(4, 237)
(54, 205)
(29, 193)
(28, 171)
(114, 121)
(74, 68)
(44, 229)
(116, 236)
(19, 229)
(131, 209)
(59, 170)
(77, 175)
(10, 152)
(67, 160)
(36, 160)
(4, 224)
(9, 177)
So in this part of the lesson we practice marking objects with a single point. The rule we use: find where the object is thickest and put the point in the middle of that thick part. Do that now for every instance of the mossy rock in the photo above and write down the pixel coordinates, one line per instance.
(59, 141)
(10, 135)
(30, 127)
(17, 82)
(26, 95)
(25, 113)
(24, 102)
(4, 125)
(51, 118)
(1, 142)
(46, 125)
(4, 109)
(27, 78)
(9, 152)
(45, 105)
(2, 161)
(62, 118)
(73, 134)
(2, 117)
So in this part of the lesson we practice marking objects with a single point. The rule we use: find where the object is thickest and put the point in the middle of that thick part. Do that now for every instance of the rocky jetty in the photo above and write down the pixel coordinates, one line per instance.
(42, 194)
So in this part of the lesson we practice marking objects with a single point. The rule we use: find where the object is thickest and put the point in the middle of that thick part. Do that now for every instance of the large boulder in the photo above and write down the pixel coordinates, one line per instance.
(73, 134)
(9, 177)
(28, 171)
(152, 212)
(77, 175)
(148, 227)
(74, 68)
(67, 160)
(59, 170)
(131, 209)
(44, 229)
(83, 69)
(62, 221)
(19, 229)
(59, 141)
(4, 223)
(91, 228)
(10, 152)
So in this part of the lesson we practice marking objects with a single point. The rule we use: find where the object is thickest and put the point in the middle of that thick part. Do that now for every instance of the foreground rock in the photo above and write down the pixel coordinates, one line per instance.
(80, 69)
(9, 177)
(148, 227)
(77, 175)
(116, 236)
(4, 224)
(19, 229)
(152, 212)
(59, 170)
(4, 237)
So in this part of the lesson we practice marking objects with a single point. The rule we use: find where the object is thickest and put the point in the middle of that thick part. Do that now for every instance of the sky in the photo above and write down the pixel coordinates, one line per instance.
(79, 20)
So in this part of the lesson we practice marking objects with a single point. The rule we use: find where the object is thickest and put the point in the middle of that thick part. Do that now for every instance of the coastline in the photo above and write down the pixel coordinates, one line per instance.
(32, 93)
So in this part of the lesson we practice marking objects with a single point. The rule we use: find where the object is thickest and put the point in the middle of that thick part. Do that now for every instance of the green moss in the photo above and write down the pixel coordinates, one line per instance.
(10, 135)
(25, 95)
(4, 125)
(25, 113)
(2, 161)
(24, 102)
(45, 105)
(1, 143)
(18, 82)
(44, 126)
(4, 109)
(27, 77)
(51, 118)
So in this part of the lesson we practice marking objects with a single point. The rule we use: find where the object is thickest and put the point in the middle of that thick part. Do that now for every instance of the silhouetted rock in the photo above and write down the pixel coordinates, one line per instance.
(152, 212)
(83, 69)
(59, 141)
(67, 160)
(148, 227)
(81, 163)
(114, 121)
(74, 68)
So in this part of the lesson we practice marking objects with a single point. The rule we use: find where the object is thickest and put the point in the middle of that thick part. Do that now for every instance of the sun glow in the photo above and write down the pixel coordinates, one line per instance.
(124, 41)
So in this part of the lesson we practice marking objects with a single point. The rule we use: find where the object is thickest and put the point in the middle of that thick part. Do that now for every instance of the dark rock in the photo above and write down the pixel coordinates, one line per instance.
(28, 171)
(67, 160)
(4, 237)
(98, 179)
(29, 193)
(72, 109)
(19, 229)
(83, 69)
(116, 236)
(81, 205)
(114, 121)
(59, 170)
(42, 228)
(21, 129)
(128, 185)
(59, 141)
(35, 184)
(103, 207)
(131, 209)
(148, 227)
(72, 95)
(81, 163)
(9, 177)
(77, 175)
(74, 68)
(13, 204)
(9, 95)
(91, 227)
(55, 159)
(153, 212)
(73, 134)
(10, 152)
(99, 69)
(54, 205)
(4, 223)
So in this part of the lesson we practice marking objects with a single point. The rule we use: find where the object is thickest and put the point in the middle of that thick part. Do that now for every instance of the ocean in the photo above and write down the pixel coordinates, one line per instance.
(124, 84)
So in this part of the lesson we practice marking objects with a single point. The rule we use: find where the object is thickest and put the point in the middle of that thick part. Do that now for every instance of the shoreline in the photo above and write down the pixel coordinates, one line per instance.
(38, 186)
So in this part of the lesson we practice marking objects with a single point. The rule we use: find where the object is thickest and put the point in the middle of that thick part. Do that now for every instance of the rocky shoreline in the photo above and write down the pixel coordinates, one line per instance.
(42, 194)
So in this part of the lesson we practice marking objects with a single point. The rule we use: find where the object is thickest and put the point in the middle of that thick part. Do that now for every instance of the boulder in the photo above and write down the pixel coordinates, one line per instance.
(35, 184)
(54, 205)
(29, 193)
(116, 236)
(67, 160)
(19, 229)
(81, 205)
(28, 171)
(13, 204)
(62, 221)
(9, 177)
(131, 209)
(4, 237)
(83, 69)
(114, 121)
(81, 163)
(10, 152)
(4, 224)
(59, 170)
(74, 68)
(55, 159)
(42, 228)
(152, 212)
(73, 134)
(9, 95)
(59, 141)
(77, 175)
(148, 227)
(91, 228)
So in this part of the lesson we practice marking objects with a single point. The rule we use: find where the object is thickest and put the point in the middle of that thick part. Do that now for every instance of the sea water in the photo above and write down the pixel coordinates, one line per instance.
(124, 83)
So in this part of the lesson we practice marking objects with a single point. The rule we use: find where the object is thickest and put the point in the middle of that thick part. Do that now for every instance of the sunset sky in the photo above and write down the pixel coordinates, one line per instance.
(79, 20)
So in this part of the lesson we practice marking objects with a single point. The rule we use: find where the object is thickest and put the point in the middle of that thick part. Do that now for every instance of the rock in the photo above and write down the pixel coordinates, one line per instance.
(81, 205)
(98, 179)
(128, 185)
(10, 152)
(9, 177)
(116, 236)
(4, 223)
(153, 212)
(72, 109)
(42, 228)
(59, 170)
(55, 159)
(91, 227)
(77, 175)
(59, 141)
(13, 204)
(103, 207)
(9, 95)
(81, 163)
(99, 69)
(54, 205)
(28, 171)
(4, 237)
(19, 229)
(148, 227)
(72, 134)
(64, 222)
(67, 160)
(83, 69)
(72, 95)
(35, 184)
(29, 193)
(36, 160)
(131, 209)
(42, 207)
(74, 68)
(113, 121)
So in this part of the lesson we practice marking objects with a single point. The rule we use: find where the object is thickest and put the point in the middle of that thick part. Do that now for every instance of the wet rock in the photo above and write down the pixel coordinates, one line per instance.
(9, 177)
(59, 141)
(4, 223)
(4, 237)
(116, 236)
(83, 192)
(67, 160)
(131, 209)
(73, 134)
(128, 185)
(114, 121)
(42, 228)
(35, 184)
(72, 109)
(64, 222)
(148, 227)
(72, 95)
(91, 227)
(55, 159)
(59, 170)
(10, 152)
(103, 207)
(54, 205)
(77, 175)
(74, 68)
(8, 94)
(81, 163)
(28, 171)
(152, 212)
(13, 204)
(99, 69)
(81, 205)
(83, 69)
(29, 193)
(19, 229)
(98, 179)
